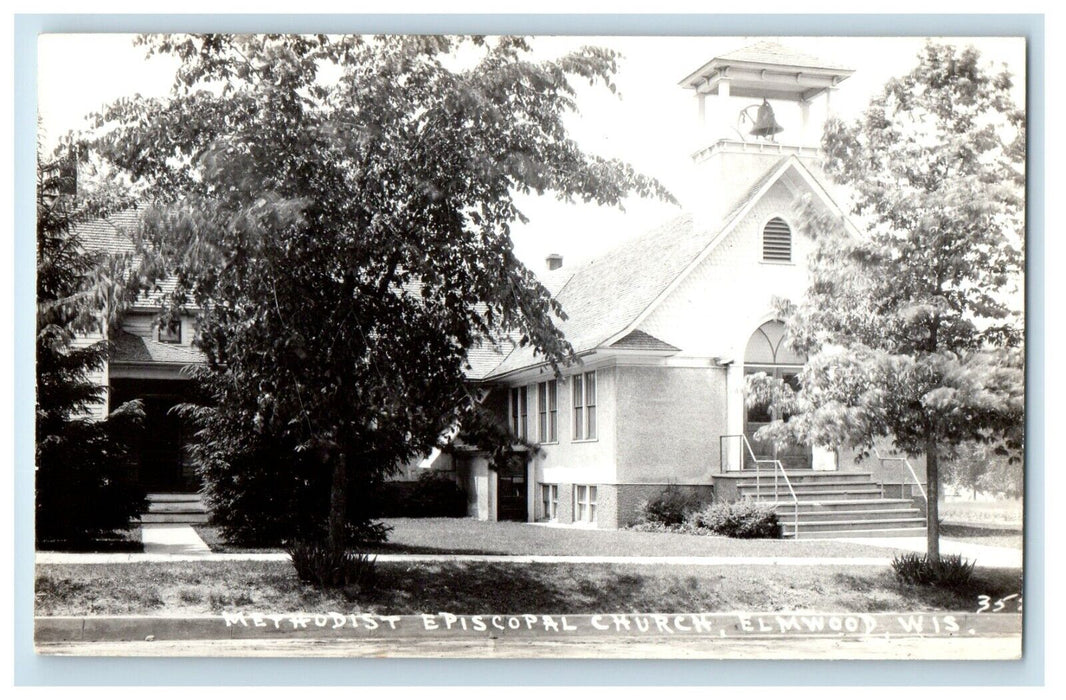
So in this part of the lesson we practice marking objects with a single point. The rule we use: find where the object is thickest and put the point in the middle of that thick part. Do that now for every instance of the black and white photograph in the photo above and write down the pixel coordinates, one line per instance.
(499, 346)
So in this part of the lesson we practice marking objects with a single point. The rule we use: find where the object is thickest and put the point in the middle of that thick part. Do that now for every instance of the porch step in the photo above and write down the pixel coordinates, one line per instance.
(809, 493)
(812, 517)
(175, 508)
(753, 476)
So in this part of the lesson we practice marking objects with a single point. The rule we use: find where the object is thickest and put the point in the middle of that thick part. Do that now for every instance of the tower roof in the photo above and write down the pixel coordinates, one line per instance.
(768, 69)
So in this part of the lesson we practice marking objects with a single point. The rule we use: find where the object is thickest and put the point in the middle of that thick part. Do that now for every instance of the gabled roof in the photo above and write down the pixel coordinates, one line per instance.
(608, 297)
(639, 340)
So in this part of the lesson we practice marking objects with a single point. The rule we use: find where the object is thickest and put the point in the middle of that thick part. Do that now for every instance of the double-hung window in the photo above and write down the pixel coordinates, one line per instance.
(584, 393)
(584, 503)
(519, 412)
(548, 411)
(549, 496)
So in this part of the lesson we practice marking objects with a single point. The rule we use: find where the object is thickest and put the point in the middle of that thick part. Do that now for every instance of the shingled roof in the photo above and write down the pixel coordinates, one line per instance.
(135, 349)
(606, 295)
(115, 235)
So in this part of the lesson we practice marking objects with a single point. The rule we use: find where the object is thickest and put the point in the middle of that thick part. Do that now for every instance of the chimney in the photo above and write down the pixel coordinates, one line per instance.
(555, 261)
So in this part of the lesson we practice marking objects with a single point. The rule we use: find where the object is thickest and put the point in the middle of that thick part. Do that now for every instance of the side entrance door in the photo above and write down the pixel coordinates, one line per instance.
(511, 490)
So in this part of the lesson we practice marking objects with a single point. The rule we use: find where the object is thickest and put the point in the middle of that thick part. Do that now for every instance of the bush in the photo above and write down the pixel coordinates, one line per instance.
(742, 519)
(432, 495)
(951, 572)
(670, 507)
(322, 567)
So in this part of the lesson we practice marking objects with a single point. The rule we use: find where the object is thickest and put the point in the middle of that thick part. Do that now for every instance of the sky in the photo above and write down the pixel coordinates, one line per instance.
(651, 123)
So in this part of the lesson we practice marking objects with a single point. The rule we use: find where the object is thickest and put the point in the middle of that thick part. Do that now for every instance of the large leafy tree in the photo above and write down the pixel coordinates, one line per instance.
(85, 484)
(910, 325)
(340, 209)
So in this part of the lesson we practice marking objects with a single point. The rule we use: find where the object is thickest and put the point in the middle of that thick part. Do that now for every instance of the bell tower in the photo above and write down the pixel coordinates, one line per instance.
(756, 105)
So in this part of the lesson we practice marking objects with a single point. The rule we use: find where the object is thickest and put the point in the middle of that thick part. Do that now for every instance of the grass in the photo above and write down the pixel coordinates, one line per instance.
(990, 536)
(468, 536)
(1003, 514)
(478, 588)
(119, 541)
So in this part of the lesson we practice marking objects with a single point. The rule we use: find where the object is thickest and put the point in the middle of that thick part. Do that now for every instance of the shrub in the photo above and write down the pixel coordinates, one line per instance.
(951, 572)
(323, 567)
(432, 495)
(742, 519)
(669, 507)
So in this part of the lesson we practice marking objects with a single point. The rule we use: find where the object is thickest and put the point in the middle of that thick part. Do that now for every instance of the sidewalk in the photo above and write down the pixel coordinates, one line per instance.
(176, 543)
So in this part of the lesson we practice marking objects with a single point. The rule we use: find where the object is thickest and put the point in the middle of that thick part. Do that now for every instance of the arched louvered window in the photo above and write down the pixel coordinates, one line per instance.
(777, 241)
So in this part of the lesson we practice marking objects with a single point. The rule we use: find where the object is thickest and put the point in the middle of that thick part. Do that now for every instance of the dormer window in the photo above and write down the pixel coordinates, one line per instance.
(776, 241)
(170, 333)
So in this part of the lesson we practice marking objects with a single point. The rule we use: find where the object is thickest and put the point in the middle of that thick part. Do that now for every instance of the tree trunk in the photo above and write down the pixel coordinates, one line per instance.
(338, 504)
(932, 491)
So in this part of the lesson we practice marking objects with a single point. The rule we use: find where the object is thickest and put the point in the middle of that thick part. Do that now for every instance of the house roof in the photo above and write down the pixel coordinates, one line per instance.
(135, 349)
(608, 295)
(115, 235)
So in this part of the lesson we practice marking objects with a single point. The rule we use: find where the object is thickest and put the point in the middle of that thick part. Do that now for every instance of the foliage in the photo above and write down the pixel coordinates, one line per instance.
(669, 507)
(325, 567)
(911, 328)
(978, 467)
(86, 486)
(432, 495)
(742, 519)
(340, 209)
(949, 572)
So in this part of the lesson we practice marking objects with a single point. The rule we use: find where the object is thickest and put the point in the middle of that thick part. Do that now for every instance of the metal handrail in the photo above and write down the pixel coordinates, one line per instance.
(758, 481)
(914, 474)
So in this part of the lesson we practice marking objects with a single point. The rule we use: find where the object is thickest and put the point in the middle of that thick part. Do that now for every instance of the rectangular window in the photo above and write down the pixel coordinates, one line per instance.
(542, 412)
(585, 406)
(584, 503)
(170, 333)
(590, 405)
(553, 411)
(523, 409)
(579, 408)
(549, 496)
(548, 411)
(514, 411)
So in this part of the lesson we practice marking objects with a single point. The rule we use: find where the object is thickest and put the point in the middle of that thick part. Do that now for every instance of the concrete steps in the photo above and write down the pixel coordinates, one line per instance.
(175, 508)
(830, 504)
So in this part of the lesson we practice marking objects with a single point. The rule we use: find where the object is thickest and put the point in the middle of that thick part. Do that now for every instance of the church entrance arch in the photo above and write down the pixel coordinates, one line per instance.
(766, 352)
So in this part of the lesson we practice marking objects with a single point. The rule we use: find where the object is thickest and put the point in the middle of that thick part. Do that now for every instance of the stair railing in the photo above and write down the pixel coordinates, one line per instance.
(902, 476)
(778, 467)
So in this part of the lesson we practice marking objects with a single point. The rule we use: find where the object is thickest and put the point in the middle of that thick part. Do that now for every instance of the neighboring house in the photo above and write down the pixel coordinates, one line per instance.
(666, 327)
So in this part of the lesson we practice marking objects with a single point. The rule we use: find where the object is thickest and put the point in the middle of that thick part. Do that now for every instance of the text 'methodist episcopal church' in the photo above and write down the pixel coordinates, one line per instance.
(666, 325)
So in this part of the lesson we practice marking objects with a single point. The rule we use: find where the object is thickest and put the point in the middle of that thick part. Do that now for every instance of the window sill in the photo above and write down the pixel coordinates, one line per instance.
(553, 442)
(584, 440)
(787, 263)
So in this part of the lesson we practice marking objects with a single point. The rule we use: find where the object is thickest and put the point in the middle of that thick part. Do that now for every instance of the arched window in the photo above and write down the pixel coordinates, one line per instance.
(777, 241)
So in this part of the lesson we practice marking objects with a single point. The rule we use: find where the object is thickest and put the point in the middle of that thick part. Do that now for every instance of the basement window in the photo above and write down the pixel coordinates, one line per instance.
(776, 241)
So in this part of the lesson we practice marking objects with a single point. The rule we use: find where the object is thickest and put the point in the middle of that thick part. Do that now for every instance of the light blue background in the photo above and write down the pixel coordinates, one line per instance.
(33, 670)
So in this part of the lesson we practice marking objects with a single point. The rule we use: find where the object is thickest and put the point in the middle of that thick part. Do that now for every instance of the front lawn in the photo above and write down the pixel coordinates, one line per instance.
(118, 541)
(479, 588)
(468, 536)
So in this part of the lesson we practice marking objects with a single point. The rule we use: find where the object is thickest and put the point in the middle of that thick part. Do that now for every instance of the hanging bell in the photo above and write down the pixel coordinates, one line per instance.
(765, 124)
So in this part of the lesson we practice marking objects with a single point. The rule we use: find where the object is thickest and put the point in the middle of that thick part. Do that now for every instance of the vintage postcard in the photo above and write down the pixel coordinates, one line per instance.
(601, 347)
